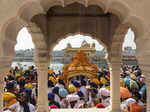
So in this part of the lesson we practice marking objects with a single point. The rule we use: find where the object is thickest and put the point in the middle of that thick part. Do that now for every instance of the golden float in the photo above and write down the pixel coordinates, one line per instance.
(80, 66)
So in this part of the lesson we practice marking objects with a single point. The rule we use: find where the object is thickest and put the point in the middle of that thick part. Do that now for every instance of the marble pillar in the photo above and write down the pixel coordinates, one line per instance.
(42, 63)
(147, 77)
(115, 86)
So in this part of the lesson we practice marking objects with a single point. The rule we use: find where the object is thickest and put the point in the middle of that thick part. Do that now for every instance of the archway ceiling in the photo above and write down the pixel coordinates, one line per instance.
(76, 9)
(134, 13)
(30, 8)
(134, 7)
(83, 25)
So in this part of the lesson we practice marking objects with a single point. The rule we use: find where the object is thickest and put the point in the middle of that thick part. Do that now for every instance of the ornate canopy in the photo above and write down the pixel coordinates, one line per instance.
(80, 66)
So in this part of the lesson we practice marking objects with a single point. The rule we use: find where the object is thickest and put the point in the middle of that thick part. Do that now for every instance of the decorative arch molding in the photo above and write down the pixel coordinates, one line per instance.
(9, 34)
(73, 34)
(118, 8)
(32, 8)
(12, 27)
(38, 36)
(137, 25)
(29, 10)
(46, 4)
(115, 49)
(68, 2)
(143, 48)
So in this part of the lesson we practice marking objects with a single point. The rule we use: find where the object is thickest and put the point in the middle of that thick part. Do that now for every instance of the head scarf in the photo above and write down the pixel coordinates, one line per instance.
(72, 88)
(63, 92)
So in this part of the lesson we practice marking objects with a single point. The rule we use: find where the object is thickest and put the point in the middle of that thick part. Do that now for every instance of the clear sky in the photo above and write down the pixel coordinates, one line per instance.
(24, 41)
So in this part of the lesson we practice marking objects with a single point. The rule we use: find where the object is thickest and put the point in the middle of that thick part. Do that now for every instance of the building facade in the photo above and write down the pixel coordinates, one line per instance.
(50, 21)
(66, 55)
(90, 50)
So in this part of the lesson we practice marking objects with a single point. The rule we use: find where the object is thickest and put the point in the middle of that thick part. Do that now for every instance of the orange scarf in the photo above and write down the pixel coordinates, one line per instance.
(13, 101)
(136, 108)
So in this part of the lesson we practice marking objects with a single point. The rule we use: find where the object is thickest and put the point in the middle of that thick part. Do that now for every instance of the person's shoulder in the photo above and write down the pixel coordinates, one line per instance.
(31, 106)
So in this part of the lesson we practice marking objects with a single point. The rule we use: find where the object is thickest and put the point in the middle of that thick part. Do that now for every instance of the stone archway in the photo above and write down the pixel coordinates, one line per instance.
(22, 12)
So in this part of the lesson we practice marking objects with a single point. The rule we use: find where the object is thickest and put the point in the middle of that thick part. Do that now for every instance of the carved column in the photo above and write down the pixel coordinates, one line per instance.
(142, 55)
(5, 64)
(41, 59)
(117, 34)
(147, 75)
(146, 72)
(115, 67)
(42, 63)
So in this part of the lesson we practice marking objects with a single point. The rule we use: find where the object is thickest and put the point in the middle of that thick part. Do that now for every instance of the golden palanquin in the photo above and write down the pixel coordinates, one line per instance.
(80, 66)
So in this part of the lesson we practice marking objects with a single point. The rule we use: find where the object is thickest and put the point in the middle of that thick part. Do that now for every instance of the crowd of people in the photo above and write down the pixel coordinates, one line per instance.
(20, 91)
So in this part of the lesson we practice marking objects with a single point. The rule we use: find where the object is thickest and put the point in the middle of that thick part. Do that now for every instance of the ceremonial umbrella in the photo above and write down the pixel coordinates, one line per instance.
(124, 92)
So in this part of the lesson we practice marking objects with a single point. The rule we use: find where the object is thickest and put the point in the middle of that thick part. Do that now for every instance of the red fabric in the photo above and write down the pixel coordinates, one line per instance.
(100, 106)
(136, 108)
(53, 106)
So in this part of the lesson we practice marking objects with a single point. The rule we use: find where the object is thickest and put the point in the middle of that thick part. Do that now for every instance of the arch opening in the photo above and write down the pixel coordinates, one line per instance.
(89, 53)
(21, 71)
(131, 73)
(24, 49)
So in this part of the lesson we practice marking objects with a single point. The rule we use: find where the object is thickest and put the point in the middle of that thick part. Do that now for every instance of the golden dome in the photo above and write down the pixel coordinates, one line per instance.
(85, 44)
(80, 66)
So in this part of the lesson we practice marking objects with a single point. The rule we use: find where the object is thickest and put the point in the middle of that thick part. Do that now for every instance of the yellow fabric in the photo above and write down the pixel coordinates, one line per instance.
(107, 87)
(132, 76)
(103, 80)
(17, 75)
(122, 83)
(57, 79)
(51, 78)
(96, 81)
(142, 75)
(7, 96)
(28, 85)
(9, 73)
(72, 88)
(50, 71)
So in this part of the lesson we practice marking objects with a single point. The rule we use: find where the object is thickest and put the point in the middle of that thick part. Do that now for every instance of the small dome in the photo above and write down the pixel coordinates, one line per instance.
(93, 45)
(85, 44)
(69, 45)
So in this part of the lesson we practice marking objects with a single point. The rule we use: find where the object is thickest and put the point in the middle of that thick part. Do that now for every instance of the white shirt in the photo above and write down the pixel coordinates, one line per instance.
(90, 101)
(106, 102)
(85, 92)
(31, 108)
(103, 92)
(62, 103)
(123, 106)
(34, 91)
(50, 90)
(140, 103)
(59, 85)
(15, 106)
(57, 98)
(129, 101)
